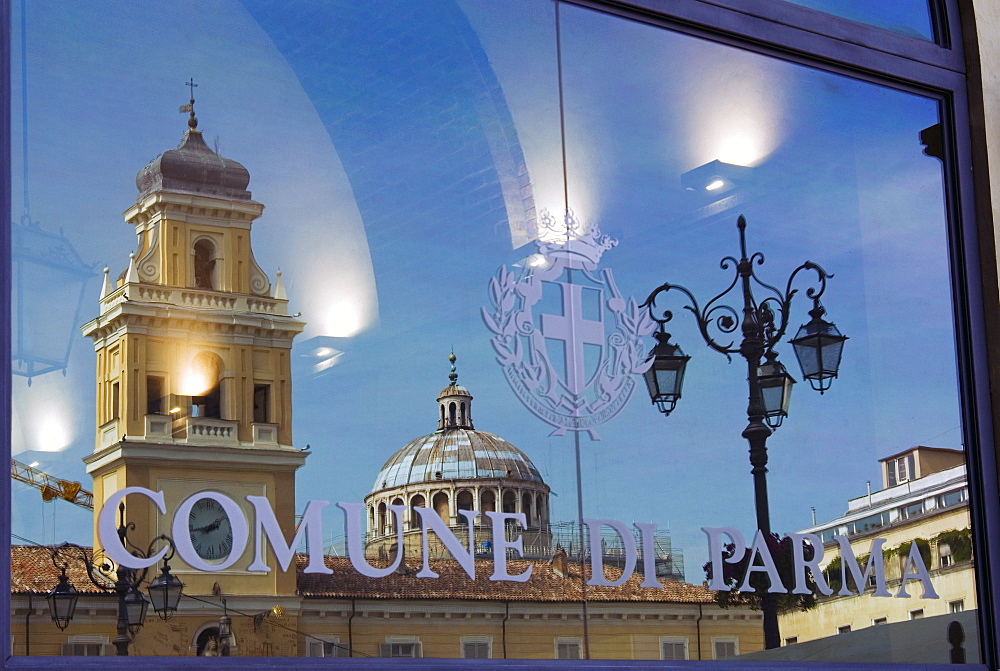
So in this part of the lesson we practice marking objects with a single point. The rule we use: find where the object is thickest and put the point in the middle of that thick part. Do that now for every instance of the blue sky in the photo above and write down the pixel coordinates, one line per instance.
(387, 147)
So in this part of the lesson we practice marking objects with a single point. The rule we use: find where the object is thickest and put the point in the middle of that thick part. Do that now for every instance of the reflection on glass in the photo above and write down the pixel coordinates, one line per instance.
(908, 18)
(418, 205)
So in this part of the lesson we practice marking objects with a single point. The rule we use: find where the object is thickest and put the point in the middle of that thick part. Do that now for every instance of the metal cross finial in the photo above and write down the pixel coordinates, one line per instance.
(192, 120)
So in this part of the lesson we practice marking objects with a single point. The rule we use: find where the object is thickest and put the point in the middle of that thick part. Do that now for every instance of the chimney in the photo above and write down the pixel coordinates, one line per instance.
(560, 562)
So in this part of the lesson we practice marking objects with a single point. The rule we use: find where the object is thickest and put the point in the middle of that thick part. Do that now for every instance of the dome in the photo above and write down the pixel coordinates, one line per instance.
(455, 454)
(195, 168)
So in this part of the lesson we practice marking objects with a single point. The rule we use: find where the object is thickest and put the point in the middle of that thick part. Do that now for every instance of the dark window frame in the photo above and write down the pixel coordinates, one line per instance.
(829, 43)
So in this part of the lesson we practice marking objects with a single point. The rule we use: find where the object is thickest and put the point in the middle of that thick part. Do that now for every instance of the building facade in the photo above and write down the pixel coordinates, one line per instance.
(924, 500)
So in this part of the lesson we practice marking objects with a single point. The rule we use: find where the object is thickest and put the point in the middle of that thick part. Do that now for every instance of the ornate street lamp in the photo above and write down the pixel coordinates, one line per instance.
(49, 284)
(775, 388)
(665, 376)
(62, 601)
(818, 346)
(762, 323)
(165, 590)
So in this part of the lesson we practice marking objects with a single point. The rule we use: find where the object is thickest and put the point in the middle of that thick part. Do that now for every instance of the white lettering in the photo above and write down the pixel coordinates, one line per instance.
(798, 554)
(311, 525)
(501, 545)
(107, 528)
(646, 531)
(715, 549)
(597, 576)
(920, 573)
(356, 540)
(759, 549)
(466, 558)
(848, 562)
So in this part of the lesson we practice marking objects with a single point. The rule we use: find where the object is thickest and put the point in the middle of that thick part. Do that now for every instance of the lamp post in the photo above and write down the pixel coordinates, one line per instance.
(762, 323)
(164, 590)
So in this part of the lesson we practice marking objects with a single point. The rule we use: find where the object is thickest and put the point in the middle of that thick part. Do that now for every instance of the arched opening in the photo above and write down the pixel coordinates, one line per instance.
(526, 509)
(441, 506)
(207, 368)
(208, 643)
(509, 502)
(416, 501)
(451, 414)
(464, 501)
(540, 510)
(461, 414)
(204, 265)
(382, 529)
(488, 501)
(392, 516)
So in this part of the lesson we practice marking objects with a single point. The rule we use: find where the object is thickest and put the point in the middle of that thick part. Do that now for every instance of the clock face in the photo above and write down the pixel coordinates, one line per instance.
(210, 529)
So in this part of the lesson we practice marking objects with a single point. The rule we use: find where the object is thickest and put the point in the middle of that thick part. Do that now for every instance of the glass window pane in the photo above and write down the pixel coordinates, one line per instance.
(469, 203)
(911, 18)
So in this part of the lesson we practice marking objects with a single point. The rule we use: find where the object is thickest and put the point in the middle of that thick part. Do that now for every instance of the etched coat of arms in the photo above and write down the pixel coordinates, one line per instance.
(568, 341)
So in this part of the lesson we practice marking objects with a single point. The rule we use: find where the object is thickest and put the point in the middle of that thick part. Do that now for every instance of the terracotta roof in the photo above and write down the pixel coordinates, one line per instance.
(32, 572)
(544, 585)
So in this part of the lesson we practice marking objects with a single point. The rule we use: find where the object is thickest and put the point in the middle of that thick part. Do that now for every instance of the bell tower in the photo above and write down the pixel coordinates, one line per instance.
(194, 388)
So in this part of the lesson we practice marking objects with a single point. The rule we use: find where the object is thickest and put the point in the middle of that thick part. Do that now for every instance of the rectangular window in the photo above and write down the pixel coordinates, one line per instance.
(399, 649)
(673, 648)
(916, 614)
(261, 403)
(879, 620)
(845, 629)
(956, 606)
(724, 647)
(115, 400)
(330, 646)
(155, 395)
(475, 650)
(791, 640)
(568, 648)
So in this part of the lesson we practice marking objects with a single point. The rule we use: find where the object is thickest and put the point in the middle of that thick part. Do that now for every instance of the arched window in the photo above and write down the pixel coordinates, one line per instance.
(461, 414)
(382, 529)
(509, 502)
(416, 501)
(204, 265)
(451, 414)
(526, 509)
(392, 515)
(488, 501)
(464, 501)
(441, 506)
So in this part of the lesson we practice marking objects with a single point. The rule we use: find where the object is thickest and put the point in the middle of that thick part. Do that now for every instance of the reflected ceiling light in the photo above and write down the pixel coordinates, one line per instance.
(323, 352)
(716, 179)
(742, 150)
(33, 464)
(52, 433)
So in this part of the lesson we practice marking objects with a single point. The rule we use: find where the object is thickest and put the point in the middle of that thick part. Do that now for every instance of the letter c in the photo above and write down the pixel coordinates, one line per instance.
(107, 531)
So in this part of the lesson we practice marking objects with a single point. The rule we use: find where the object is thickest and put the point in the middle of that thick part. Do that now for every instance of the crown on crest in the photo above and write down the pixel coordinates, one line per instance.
(571, 238)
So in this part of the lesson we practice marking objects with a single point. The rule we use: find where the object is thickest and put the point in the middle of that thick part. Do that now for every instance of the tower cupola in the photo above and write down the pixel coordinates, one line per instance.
(454, 403)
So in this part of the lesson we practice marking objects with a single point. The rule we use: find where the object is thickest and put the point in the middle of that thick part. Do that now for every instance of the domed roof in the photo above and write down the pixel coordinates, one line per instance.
(193, 167)
(456, 451)
(455, 454)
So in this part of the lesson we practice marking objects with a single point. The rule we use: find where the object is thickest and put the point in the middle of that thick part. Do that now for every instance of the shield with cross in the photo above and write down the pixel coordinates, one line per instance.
(569, 343)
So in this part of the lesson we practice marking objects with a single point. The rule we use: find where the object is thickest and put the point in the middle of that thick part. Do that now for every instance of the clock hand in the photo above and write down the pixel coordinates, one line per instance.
(215, 525)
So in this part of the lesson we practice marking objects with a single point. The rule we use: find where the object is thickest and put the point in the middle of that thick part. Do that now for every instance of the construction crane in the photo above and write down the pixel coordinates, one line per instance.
(52, 488)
